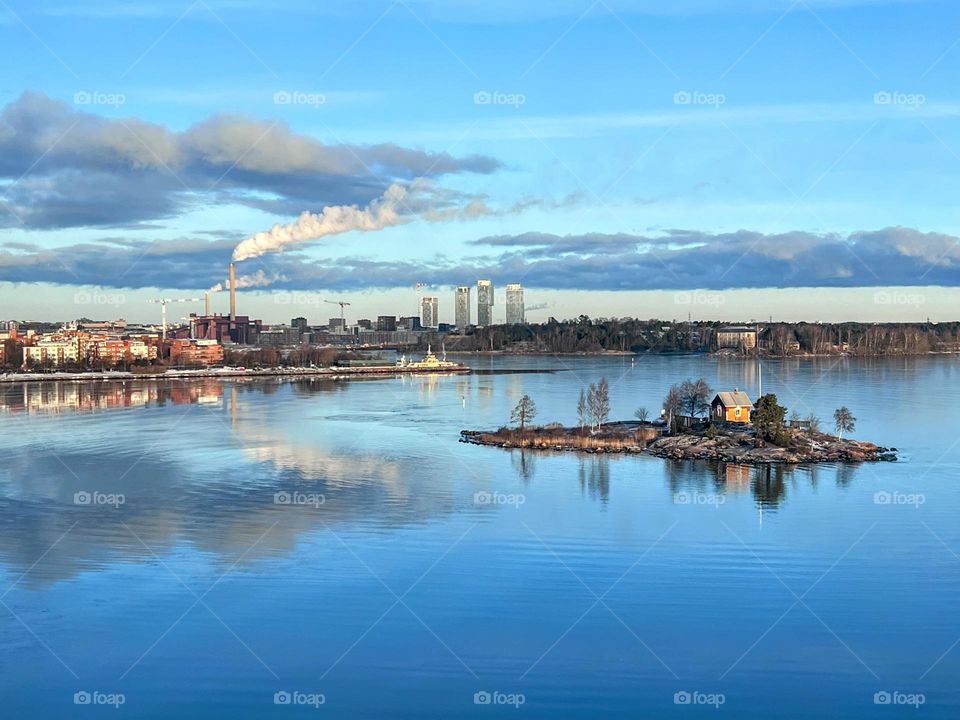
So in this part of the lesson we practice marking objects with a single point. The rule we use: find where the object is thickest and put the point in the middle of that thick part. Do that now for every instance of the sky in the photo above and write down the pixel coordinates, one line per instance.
(714, 159)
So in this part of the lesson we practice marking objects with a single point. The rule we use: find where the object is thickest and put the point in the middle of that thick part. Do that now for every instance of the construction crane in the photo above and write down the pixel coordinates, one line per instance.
(418, 288)
(342, 304)
(163, 302)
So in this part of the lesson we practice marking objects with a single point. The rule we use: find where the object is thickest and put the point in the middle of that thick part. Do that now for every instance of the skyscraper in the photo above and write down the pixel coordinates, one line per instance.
(462, 307)
(484, 302)
(514, 304)
(429, 317)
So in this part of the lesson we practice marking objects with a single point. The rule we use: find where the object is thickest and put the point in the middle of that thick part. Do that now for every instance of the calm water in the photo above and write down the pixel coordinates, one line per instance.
(146, 549)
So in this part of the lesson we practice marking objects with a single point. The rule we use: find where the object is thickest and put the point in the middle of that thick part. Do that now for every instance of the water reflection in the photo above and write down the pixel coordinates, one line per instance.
(594, 476)
(525, 464)
(55, 397)
(209, 476)
(768, 485)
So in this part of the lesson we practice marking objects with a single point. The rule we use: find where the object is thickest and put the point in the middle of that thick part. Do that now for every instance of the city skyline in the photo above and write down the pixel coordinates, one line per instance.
(733, 168)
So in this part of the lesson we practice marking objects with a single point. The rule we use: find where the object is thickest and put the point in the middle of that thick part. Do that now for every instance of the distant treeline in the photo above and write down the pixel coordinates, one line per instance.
(586, 335)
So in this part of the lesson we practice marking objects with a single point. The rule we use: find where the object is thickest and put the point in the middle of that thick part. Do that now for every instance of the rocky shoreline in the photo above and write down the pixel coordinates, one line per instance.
(812, 447)
(738, 447)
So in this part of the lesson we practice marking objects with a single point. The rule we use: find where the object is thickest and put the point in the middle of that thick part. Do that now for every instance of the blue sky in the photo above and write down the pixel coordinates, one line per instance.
(644, 147)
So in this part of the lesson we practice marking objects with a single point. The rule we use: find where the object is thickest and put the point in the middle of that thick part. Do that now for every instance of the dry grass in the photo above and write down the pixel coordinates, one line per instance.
(553, 436)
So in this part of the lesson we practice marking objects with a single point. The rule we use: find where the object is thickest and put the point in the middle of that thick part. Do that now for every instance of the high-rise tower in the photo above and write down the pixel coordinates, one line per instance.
(462, 307)
(429, 317)
(515, 304)
(484, 302)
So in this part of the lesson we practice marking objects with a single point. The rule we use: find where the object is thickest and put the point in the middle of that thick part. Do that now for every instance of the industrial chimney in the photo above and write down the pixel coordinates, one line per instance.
(233, 296)
(206, 304)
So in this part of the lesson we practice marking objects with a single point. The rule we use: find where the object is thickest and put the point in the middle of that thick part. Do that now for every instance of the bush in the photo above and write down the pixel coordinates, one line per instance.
(782, 437)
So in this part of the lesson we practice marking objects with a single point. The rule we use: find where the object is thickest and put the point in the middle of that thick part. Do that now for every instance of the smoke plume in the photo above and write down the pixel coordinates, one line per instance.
(258, 279)
(332, 220)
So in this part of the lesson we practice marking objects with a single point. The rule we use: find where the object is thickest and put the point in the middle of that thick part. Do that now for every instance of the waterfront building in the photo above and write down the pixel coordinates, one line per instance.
(731, 407)
(217, 327)
(515, 304)
(279, 335)
(52, 352)
(484, 303)
(197, 352)
(462, 308)
(738, 338)
(429, 308)
(387, 323)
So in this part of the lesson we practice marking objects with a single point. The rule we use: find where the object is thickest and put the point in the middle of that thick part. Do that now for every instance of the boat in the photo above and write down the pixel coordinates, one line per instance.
(430, 363)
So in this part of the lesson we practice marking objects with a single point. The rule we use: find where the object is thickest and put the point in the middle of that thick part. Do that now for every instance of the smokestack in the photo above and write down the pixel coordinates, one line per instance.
(206, 304)
(233, 295)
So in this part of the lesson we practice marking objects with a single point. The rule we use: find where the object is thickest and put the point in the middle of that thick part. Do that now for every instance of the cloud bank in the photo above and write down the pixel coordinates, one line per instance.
(62, 168)
(676, 259)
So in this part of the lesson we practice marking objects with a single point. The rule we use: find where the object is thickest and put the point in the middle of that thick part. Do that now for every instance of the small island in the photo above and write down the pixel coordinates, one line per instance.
(695, 424)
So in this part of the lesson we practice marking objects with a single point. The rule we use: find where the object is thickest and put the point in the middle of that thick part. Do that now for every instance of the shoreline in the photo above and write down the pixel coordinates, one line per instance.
(730, 446)
(185, 374)
(713, 354)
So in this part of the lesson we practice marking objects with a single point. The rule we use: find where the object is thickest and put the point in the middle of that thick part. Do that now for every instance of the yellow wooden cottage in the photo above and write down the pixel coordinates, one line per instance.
(734, 407)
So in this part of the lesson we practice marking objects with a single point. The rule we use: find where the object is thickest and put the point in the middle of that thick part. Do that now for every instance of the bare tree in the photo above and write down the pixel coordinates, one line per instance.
(672, 405)
(525, 411)
(695, 397)
(582, 409)
(601, 403)
(592, 405)
(642, 414)
(844, 421)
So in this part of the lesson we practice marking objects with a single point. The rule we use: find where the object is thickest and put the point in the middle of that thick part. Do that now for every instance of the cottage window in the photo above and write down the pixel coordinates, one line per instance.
(737, 412)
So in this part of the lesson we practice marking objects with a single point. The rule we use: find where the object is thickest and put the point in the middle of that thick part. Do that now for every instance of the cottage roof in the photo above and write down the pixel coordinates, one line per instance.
(737, 398)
